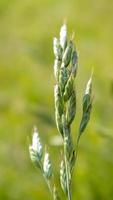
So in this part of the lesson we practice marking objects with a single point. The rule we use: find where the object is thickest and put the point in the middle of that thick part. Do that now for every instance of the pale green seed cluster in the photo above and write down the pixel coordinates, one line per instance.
(65, 67)
(65, 99)
(42, 161)
(47, 168)
(65, 70)
(87, 106)
(36, 154)
(36, 149)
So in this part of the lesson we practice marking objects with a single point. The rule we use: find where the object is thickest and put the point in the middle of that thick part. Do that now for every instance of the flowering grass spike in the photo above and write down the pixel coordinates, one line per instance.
(65, 71)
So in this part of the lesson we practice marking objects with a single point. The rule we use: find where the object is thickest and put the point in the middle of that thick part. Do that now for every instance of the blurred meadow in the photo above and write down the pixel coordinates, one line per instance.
(27, 29)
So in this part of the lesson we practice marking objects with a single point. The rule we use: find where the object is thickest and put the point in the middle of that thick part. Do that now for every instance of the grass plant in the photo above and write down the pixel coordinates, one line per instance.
(65, 71)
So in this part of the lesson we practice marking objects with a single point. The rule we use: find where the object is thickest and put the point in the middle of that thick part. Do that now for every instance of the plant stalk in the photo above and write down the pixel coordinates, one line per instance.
(46, 180)
(67, 167)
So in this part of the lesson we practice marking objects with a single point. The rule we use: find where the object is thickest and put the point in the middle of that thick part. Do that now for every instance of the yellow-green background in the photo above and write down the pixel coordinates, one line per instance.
(27, 28)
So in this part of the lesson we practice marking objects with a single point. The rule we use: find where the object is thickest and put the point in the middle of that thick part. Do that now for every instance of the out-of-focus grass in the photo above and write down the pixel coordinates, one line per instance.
(26, 93)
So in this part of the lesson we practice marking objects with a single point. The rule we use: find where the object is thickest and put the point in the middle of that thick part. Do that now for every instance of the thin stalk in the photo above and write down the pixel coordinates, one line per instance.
(76, 152)
(49, 185)
(46, 180)
(67, 173)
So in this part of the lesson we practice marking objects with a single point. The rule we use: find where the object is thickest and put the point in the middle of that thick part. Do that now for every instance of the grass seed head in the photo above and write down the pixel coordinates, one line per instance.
(63, 36)
(47, 168)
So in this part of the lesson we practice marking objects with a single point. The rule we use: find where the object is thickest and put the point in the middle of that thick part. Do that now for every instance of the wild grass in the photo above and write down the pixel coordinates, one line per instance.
(65, 71)
(26, 58)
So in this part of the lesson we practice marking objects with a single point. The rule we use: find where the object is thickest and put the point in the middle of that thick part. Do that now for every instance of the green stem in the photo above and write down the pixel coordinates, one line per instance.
(76, 153)
(46, 180)
(49, 185)
(67, 173)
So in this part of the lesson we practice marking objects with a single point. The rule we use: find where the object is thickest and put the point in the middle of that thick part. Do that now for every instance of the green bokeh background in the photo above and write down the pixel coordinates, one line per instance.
(27, 28)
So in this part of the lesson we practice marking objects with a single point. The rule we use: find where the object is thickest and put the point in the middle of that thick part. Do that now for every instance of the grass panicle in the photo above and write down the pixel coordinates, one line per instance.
(65, 71)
